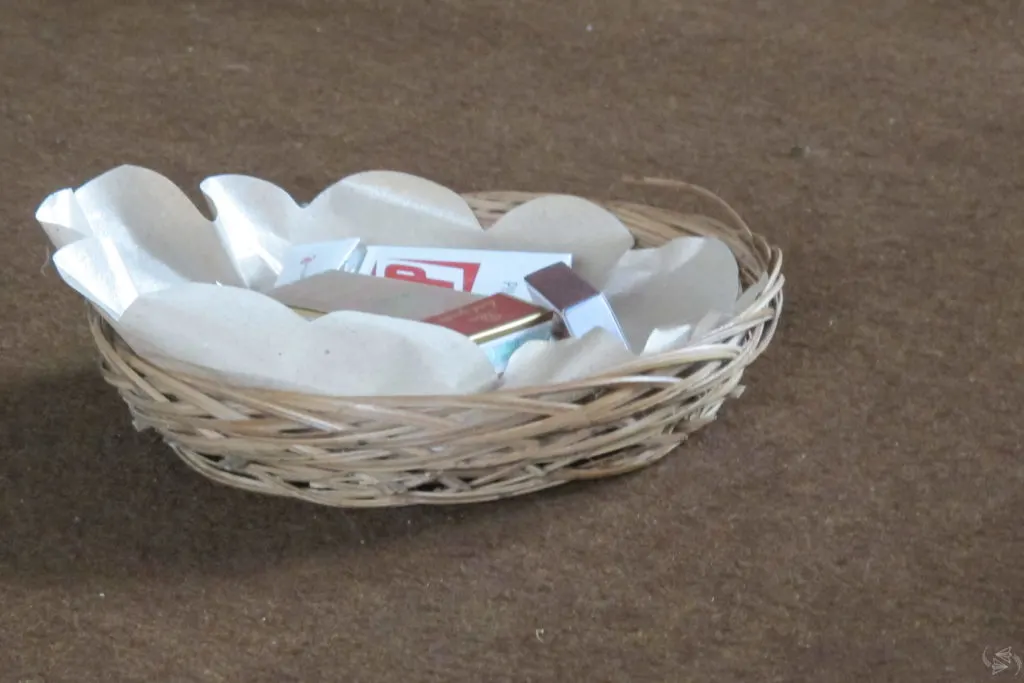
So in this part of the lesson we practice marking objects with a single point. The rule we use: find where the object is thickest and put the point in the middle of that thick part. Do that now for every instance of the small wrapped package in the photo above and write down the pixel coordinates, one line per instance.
(581, 307)
(306, 260)
(499, 324)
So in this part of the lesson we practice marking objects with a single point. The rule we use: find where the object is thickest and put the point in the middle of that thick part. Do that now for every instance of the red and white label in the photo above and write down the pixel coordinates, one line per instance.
(448, 274)
(466, 270)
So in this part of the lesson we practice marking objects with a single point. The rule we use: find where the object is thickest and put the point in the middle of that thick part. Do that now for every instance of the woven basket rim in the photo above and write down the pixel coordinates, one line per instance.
(709, 347)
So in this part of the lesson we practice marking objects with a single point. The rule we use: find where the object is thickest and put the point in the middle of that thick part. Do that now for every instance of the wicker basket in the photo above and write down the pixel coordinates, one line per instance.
(391, 451)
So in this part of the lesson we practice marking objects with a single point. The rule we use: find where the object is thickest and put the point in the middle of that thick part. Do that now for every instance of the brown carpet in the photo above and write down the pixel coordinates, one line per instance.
(856, 516)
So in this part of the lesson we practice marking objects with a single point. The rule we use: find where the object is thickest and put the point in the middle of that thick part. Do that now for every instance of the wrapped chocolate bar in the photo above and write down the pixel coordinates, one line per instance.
(479, 271)
(581, 307)
(499, 324)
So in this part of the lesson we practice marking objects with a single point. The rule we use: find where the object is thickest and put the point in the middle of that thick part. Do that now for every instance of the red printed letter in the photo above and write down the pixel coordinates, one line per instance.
(397, 271)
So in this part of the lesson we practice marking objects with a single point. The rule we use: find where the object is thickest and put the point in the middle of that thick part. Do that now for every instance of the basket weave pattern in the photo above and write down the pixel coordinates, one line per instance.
(390, 451)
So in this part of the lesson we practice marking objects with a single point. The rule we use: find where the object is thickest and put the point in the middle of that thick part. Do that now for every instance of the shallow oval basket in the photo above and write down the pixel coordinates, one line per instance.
(391, 451)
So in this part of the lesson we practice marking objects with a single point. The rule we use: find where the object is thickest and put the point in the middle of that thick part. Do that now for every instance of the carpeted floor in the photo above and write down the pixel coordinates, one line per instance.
(856, 516)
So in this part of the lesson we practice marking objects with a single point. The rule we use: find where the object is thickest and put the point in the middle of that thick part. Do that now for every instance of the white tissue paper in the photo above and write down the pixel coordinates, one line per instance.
(189, 293)
(250, 339)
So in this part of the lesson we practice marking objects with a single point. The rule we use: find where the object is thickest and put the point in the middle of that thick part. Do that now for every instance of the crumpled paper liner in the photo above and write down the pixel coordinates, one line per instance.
(185, 291)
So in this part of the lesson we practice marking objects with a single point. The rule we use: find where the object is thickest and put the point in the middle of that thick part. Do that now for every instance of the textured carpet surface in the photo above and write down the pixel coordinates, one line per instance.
(856, 516)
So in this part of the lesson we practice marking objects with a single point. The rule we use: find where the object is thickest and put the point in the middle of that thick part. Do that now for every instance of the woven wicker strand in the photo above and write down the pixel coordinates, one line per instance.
(392, 451)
